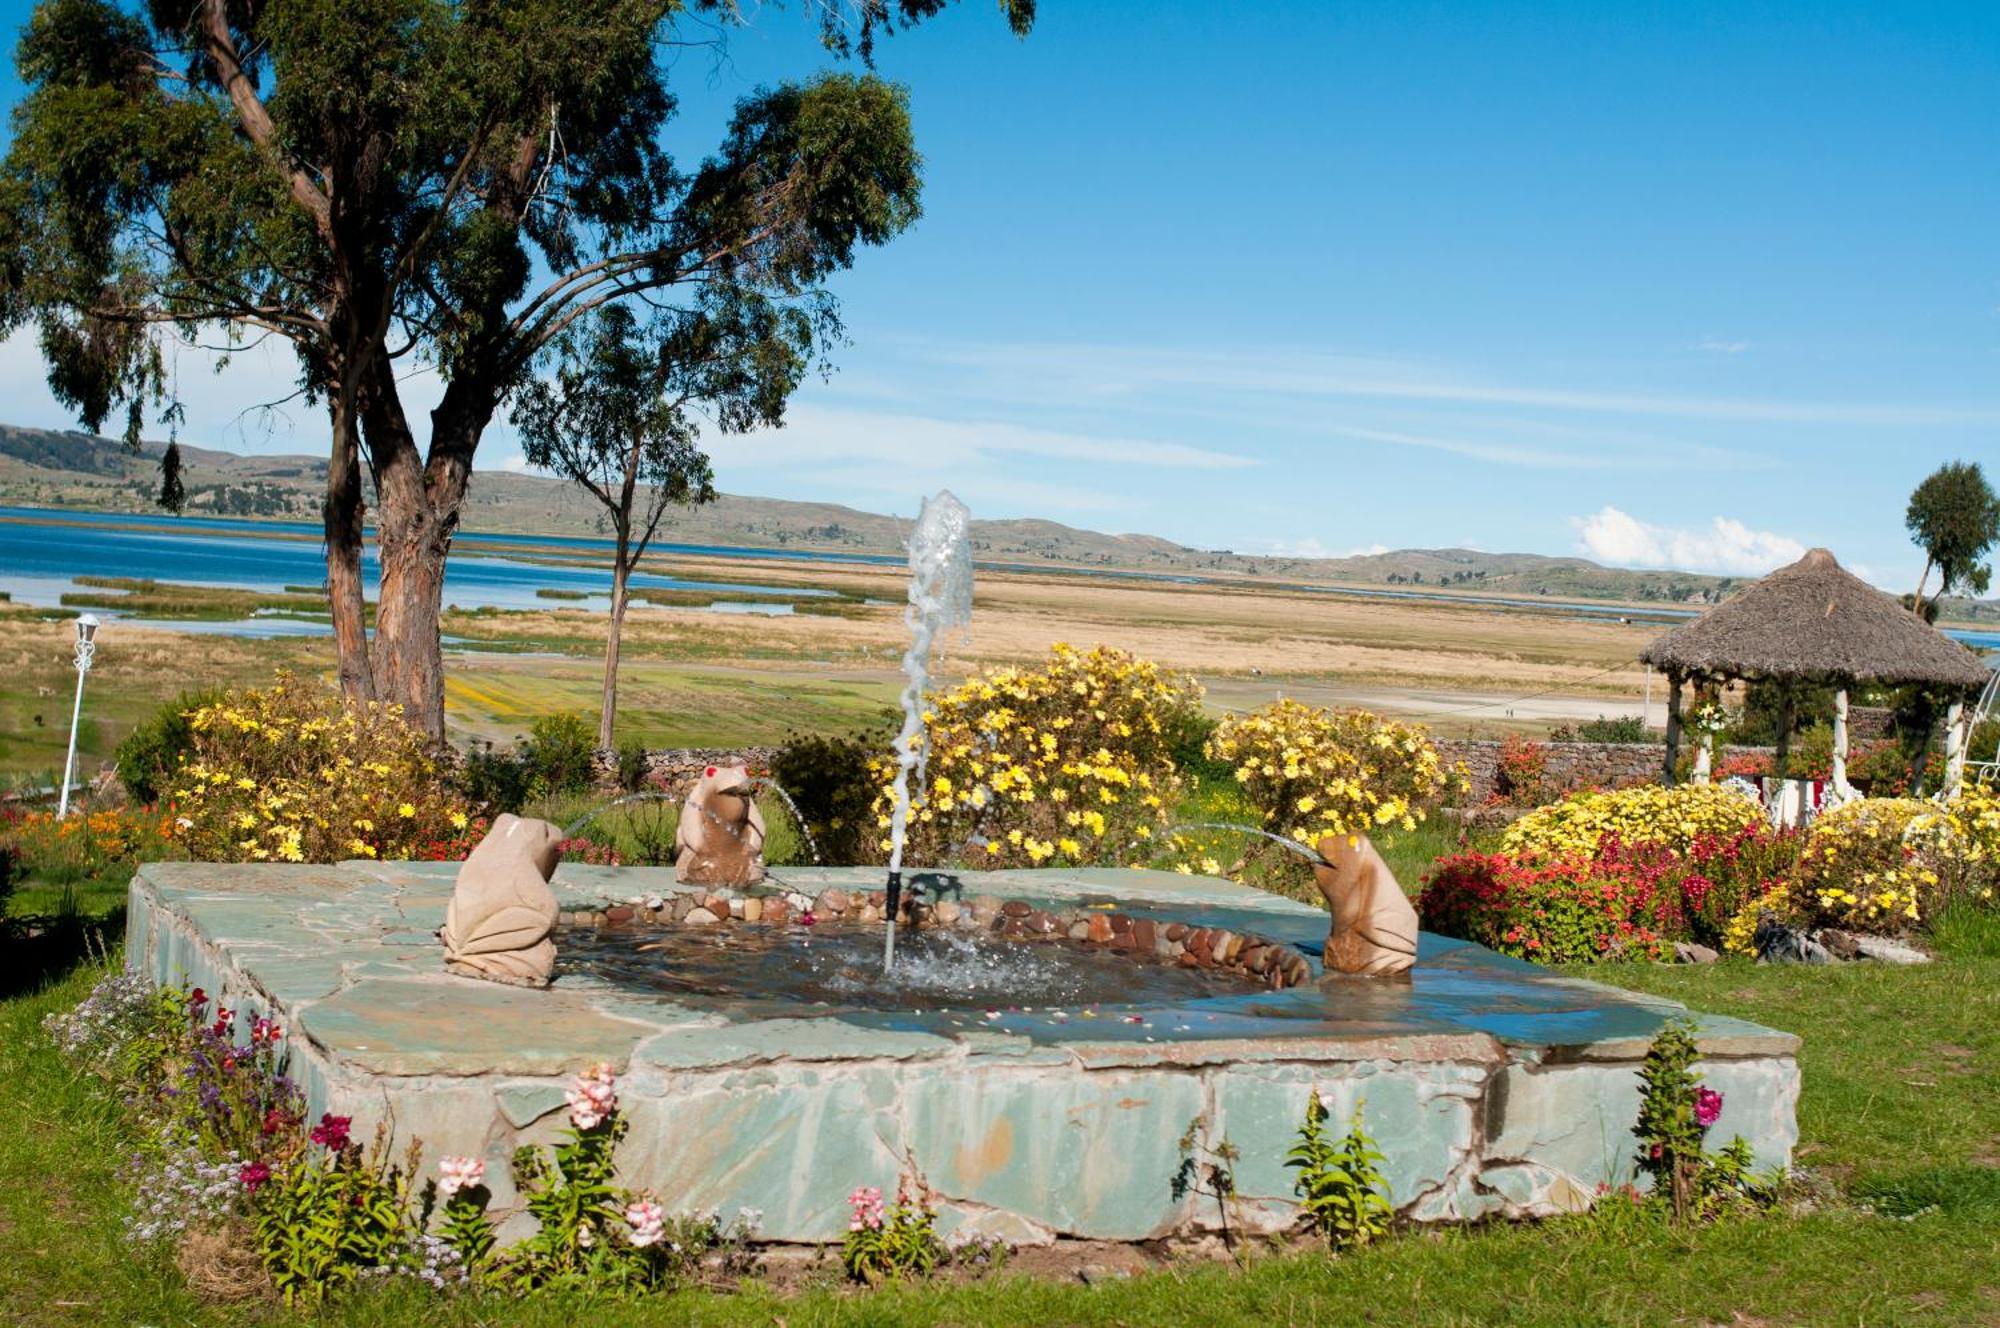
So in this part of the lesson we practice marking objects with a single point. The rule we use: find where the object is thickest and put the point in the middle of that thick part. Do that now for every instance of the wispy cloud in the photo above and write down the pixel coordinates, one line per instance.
(1095, 371)
(923, 442)
(1720, 346)
(1725, 545)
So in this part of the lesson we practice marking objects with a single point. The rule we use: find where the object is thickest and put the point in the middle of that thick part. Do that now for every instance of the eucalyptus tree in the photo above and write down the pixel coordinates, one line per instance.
(621, 414)
(402, 185)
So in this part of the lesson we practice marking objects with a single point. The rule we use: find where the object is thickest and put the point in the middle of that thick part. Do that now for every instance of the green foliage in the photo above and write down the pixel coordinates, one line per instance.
(1669, 1136)
(324, 1220)
(1340, 1185)
(574, 1202)
(495, 779)
(831, 782)
(1954, 517)
(633, 766)
(155, 749)
(1613, 728)
(560, 753)
(896, 1244)
(1675, 1115)
(1207, 1169)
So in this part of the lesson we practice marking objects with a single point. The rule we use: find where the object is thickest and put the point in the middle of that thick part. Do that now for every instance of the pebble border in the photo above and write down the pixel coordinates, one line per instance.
(1273, 963)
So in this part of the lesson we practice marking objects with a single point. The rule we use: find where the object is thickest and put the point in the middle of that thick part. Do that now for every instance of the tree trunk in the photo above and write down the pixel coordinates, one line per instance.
(343, 514)
(417, 515)
(1917, 600)
(621, 572)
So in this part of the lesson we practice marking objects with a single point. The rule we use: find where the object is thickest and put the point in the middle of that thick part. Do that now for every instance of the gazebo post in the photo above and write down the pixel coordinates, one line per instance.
(1841, 788)
(1954, 747)
(1673, 729)
(1783, 758)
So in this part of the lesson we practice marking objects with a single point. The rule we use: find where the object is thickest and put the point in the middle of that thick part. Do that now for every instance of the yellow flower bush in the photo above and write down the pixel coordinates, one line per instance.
(1739, 934)
(1314, 772)
(1065, 764)
(1887, 864)
(293, 773)
(1644, 814)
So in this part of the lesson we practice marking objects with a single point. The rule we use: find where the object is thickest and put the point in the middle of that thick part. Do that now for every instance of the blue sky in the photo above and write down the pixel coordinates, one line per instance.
(1691, 285)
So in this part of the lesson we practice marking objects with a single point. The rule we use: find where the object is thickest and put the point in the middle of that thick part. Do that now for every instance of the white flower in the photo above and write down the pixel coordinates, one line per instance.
(459, 1173)
(585, 1236)
(648, 1222)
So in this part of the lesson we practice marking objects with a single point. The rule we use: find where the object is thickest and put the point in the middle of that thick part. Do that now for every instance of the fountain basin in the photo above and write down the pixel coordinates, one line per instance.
(1493, 1087)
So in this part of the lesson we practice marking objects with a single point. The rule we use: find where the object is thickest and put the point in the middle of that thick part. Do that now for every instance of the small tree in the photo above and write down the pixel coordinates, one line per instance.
(1955, 518)
(621, 415)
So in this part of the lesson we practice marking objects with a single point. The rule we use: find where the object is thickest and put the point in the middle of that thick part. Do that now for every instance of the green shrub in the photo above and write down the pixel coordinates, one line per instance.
(633, 765)
(152, 752)
(1339, 1185)
(561, 754)
(1615, 728)
(495, 780)
(893, 1243)
(830, 781)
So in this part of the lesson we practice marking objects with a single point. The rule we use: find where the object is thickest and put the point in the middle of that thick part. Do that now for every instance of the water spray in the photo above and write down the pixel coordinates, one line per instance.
(940, 598)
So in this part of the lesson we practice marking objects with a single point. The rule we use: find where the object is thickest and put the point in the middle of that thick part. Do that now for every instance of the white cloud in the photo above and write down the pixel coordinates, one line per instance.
(1725, 545)
(1309, 548)
(1720, 346)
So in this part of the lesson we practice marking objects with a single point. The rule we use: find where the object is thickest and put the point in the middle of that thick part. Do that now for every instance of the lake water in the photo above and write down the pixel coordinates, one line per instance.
(37, 562)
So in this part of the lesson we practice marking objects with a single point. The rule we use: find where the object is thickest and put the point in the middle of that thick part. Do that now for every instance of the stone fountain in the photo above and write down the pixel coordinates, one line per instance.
(1038, 1049)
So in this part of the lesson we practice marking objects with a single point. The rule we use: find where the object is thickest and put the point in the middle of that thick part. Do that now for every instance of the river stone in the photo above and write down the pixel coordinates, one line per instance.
(700, 917)
(753, 909)
(1098, 929)
(947, 912)
(830, 903)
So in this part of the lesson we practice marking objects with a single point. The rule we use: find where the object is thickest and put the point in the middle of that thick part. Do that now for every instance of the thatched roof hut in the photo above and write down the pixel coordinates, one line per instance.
(1815, 621)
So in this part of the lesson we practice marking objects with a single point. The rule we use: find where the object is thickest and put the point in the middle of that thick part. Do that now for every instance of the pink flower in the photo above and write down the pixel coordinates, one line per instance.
(648, 1222)
(253, 1175)
(592, 1097)
(1707, 1107)
(332, 1131)
(866, 1201)
(263, 1031)
(458, 1173)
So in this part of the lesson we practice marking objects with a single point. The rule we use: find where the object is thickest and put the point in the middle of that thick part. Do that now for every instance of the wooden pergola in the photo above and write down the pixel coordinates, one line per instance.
(1815, 622)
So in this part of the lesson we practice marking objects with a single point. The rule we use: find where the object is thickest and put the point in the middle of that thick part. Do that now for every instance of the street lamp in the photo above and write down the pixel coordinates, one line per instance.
(86, 654)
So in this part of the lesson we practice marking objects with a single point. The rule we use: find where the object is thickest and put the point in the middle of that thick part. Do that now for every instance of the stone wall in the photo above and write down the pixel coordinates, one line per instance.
(1570, 765)
(675, 769)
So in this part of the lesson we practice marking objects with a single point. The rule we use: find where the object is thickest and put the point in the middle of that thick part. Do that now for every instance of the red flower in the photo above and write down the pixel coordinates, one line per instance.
(332, 1131)
(253, 1175)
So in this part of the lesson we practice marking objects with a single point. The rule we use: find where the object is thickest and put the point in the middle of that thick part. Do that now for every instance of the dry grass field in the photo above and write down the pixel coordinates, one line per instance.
(697, 677)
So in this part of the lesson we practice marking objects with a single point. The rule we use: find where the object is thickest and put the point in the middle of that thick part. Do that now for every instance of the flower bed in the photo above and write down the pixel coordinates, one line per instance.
(1625, 875)
(1616, 875)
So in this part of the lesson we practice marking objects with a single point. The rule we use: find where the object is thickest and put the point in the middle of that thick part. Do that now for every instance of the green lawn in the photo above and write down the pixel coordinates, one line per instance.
(1901, 1114)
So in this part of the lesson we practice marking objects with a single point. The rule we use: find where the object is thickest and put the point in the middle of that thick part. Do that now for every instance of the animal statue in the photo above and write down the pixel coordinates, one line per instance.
(1374, 930)
(720, 839)
(502, 911)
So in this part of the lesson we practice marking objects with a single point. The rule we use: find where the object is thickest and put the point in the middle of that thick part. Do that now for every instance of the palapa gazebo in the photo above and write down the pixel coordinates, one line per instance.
(1816, 622)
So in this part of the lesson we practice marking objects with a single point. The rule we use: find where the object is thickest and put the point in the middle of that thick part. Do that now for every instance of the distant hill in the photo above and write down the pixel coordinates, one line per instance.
(56, 468)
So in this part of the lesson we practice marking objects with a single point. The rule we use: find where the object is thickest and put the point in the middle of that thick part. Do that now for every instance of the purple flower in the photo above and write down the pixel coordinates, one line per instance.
(1707, 1107)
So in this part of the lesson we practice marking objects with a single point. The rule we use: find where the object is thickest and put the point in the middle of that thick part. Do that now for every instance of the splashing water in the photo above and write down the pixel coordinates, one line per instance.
(798, 817)
(1160, 841)
(940, 599)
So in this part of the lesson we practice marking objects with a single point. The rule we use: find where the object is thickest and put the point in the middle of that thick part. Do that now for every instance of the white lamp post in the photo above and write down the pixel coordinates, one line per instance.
(86, 654)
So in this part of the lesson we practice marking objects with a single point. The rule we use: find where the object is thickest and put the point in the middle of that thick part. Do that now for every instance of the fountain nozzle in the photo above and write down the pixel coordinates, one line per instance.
(892, 900)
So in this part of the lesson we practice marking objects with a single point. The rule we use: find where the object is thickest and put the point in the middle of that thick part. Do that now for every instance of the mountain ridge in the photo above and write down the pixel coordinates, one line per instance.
(68, 468)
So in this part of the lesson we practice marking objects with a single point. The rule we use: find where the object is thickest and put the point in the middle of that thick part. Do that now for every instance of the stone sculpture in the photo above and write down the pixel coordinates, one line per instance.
(502, 911)
(1374, 930)
(720, 839)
